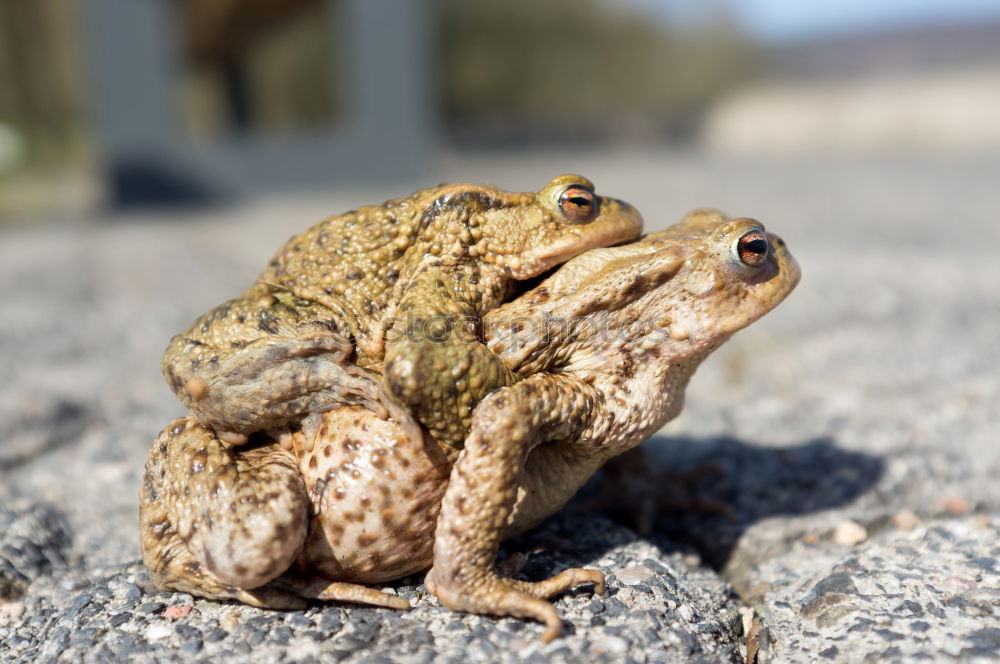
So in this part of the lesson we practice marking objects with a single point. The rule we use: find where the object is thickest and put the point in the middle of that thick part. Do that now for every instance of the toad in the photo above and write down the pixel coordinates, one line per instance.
(392, 291)
(601, 353)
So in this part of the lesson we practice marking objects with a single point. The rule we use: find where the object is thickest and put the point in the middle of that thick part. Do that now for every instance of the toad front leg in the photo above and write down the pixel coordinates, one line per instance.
(482, 492)
(262, 360)
(435, 363)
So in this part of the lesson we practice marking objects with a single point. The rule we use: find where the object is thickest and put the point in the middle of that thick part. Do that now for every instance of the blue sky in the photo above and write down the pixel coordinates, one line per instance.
(777, 20)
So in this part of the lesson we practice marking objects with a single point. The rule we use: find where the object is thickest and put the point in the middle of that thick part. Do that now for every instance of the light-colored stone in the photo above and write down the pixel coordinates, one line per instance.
(849, 533)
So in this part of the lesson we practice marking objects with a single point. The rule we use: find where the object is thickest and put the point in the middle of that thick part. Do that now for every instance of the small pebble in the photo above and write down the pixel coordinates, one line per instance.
(631, 576)
(158, 631)
(849, 533)
(230, 620)
(615, 645)
(685, 612)
(955, 505)
(10, 611)
(177, 611)
(905, 520)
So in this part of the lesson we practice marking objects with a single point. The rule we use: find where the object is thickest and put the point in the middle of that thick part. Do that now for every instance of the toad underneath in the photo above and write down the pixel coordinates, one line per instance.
(600, 352)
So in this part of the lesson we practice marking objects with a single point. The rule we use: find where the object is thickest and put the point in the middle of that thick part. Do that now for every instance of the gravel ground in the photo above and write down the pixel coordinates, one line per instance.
(852, 433)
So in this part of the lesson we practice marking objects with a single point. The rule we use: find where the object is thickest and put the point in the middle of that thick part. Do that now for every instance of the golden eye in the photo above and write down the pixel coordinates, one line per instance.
(578, 203)
(752, 248)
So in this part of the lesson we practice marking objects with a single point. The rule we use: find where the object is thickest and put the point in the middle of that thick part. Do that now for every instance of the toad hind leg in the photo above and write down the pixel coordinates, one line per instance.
(481, 494)
(318, 588)
(219, 522)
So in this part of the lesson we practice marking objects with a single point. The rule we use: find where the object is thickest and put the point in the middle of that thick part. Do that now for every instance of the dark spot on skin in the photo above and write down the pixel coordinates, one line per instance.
(198, 462)
(313, 464)
(636, 286)
(366, 541)
(462, 202)
(355, 275)
(627, 364)
(207, 557)
(160, 529)
(175, 430)
(267, 322)
(328, 325)
(281, 532)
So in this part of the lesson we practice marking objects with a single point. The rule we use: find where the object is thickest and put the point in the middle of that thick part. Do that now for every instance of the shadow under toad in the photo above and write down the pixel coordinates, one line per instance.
(735, 484)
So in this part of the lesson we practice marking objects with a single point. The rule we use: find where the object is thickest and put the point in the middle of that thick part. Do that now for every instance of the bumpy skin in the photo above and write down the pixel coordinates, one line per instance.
(602, 352)
(402, 283)
(605, 347)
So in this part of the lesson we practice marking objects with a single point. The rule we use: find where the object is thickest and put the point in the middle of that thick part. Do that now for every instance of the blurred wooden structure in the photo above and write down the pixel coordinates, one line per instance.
(137, 53)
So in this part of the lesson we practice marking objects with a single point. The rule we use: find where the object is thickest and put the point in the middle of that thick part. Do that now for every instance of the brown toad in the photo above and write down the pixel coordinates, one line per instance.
(394, 288)
(602, 351)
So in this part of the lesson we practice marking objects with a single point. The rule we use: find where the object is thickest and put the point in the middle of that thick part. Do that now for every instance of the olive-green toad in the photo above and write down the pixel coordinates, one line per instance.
(397, 288)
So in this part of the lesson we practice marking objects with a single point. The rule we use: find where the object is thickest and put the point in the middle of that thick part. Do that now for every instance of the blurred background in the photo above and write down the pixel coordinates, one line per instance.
(115, 103)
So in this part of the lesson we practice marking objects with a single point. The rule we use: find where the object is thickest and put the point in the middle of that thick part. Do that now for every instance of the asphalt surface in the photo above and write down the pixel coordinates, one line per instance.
(852, 433)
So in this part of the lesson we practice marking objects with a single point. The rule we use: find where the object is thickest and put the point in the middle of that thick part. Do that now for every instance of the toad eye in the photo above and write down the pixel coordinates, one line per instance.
(752, 248)
(578, 203)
